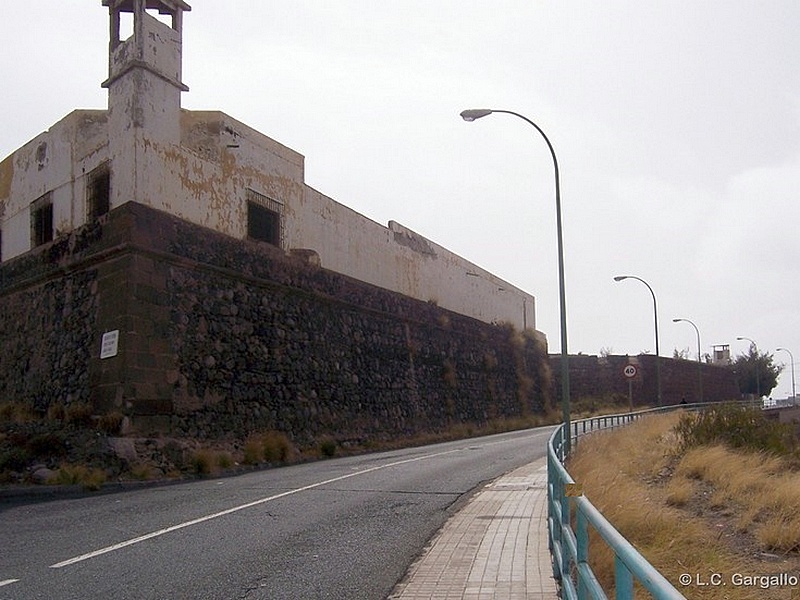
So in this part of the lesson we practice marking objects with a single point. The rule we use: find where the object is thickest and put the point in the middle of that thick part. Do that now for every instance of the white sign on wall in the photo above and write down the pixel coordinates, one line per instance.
(110, 344)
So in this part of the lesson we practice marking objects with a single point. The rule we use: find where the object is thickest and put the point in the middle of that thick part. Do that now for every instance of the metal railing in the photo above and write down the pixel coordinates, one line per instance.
(570, 549)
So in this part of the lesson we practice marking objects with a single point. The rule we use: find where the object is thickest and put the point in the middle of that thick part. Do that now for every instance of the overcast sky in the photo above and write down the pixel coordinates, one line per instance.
(676, 125)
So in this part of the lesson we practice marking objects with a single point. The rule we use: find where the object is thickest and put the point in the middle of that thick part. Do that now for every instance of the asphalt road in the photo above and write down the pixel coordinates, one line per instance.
(342, 529)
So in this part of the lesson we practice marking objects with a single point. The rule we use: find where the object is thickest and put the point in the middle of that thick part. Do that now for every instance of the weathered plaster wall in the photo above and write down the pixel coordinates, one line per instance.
(205, 179)
(55, 161)
(145, 81)
(399, 259)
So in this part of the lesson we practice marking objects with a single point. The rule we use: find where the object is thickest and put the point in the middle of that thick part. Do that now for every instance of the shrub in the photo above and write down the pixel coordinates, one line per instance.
(14, 459)
(327, 447)
(46, 445)
(736, 427)
(224, 460)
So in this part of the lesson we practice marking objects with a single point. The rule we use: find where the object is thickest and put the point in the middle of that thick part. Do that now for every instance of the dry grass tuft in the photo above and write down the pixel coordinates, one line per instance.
(144, 471)
(780, 533)
(764, 492)
(111, 423)
(78, 414)
(17, 412)
(253, 452)
(89, 478)
(679, 492)
(203, 461)
(270, 446)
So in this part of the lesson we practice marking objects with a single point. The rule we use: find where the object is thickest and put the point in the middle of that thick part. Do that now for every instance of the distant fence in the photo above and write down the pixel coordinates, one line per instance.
(570, 548)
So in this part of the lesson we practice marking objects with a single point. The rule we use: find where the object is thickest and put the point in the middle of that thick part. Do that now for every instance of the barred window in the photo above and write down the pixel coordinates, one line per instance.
(42, 220)
(98, 192)
(264, 219)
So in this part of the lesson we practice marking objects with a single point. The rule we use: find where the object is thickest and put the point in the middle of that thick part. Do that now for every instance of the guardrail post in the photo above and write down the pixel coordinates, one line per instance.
(554, 537)
(582, 536)
(623, 580)
(564, 526)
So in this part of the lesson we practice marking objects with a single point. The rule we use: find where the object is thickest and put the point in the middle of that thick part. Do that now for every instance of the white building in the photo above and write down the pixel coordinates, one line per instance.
(214, 171)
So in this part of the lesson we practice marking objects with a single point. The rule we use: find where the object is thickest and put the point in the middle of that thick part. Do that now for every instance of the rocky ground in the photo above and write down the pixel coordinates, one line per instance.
(42, 451)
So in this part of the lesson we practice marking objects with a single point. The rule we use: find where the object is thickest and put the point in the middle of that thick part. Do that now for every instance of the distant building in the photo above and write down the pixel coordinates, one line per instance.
(722, 354)
(214, 171)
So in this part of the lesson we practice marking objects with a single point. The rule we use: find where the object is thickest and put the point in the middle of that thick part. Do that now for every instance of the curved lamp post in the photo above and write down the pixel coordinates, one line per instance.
(655, 320)
(699, 360)
(794, 396)
(477, 113)
(755, 346)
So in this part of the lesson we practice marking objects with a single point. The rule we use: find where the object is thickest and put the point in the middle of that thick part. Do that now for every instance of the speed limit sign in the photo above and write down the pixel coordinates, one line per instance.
(629, 371)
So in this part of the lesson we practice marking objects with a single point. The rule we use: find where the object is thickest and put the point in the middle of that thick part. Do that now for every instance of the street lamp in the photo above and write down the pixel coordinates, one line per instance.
(699, 360)
(794, 396)
(477, 113)
(655, 320)
(755, 363)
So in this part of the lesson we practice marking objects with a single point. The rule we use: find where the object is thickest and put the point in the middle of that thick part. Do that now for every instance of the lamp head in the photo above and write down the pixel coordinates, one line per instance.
(676, 320)
(475, 113)
(620, 277)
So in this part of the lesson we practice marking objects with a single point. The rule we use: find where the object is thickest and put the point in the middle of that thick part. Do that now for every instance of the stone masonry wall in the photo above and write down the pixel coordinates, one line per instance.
(47, 324)
(601, 377)
(218, 338)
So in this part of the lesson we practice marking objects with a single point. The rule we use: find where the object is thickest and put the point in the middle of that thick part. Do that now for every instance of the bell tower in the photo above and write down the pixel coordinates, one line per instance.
(144, 71)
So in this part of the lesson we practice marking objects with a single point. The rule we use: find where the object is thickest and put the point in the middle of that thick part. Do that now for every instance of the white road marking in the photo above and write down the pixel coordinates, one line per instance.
(160, 532)
(8, 582)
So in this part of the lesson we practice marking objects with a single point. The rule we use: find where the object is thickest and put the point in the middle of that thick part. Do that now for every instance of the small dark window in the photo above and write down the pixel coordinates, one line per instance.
(264, 218)
(42, 221)
(263, 224)
(98, 192)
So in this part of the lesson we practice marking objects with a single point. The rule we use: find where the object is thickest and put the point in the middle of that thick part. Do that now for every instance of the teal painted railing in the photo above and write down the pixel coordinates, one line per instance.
(570, 549)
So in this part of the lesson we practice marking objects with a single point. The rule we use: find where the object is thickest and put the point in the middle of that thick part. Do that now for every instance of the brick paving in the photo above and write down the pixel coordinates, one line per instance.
(495, 548)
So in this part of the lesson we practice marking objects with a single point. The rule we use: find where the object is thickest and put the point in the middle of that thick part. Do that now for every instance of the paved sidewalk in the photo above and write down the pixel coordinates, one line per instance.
(495, 548)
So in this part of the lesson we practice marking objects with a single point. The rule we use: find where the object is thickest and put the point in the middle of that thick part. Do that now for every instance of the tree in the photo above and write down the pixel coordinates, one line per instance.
(755, 372)
(682, 354)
